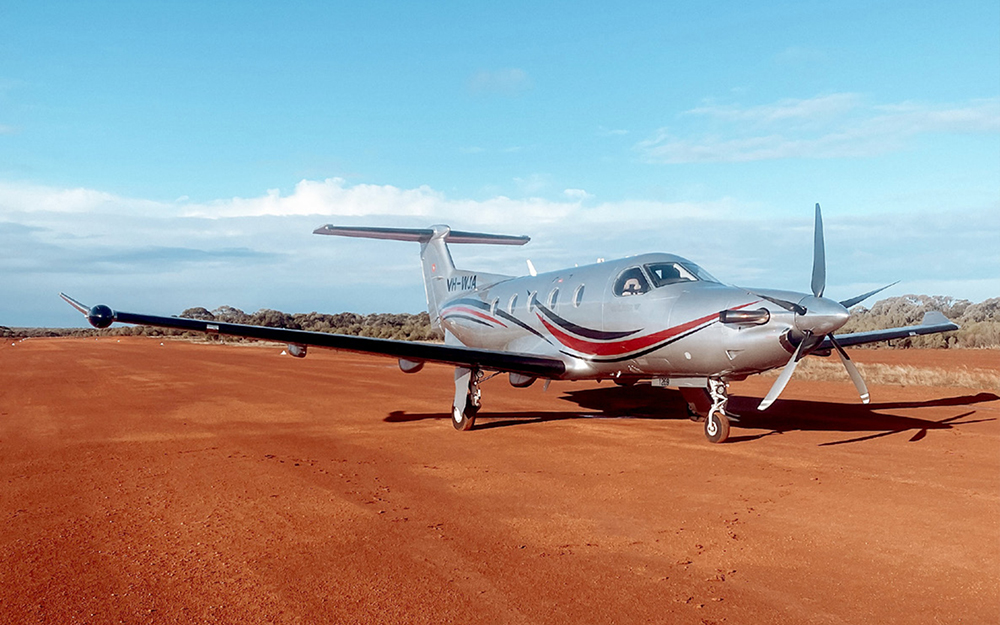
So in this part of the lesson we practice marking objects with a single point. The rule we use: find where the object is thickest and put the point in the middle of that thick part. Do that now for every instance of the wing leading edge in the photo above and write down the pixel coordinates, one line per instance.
(932, 323)
(512, 362)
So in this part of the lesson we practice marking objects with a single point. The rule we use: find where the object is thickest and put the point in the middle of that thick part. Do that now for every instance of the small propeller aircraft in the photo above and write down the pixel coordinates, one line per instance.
(655, 317)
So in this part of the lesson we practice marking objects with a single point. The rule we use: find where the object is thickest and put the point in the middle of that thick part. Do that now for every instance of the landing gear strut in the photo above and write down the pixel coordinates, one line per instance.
(467, 397)
(717, 421)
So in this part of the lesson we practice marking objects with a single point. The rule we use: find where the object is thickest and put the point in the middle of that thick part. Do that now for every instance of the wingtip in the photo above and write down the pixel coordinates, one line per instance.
(75, 304)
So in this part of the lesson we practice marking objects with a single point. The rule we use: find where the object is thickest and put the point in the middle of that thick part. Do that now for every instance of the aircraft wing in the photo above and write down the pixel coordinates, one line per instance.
(933, 322)
(539, 366)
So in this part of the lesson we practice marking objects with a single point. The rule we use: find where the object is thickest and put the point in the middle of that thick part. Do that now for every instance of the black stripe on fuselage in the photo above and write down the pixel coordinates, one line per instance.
(641, 353)
(511, 318)
(468, 318)
(589, 333)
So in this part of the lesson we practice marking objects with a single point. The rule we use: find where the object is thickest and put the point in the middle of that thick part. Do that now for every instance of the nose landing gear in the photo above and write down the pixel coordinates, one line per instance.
(717, 420)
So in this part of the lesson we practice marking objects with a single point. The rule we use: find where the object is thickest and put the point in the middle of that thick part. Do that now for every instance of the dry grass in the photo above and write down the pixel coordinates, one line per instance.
(897, 375)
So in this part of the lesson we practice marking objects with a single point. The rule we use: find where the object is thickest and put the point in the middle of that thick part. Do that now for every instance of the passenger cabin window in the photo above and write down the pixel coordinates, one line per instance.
(578, 296)
(532, 300)
(493, 306)
(553, 298)
(631, 282)
(512, 304)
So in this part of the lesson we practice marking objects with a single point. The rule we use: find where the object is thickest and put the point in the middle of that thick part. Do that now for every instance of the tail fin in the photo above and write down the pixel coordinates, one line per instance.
(440, 274)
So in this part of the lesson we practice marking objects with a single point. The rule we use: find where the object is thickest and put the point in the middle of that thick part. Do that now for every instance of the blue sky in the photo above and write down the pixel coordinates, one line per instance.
(161, 155)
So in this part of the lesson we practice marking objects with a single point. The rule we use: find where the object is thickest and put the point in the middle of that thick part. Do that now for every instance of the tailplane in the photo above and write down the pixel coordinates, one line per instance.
(441, 278)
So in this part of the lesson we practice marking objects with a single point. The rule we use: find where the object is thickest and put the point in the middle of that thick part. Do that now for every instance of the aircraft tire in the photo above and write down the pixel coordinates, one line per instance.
(464, 421)
(716, 427)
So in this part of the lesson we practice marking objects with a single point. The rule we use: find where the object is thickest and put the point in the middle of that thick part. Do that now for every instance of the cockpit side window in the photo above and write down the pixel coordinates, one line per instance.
(630, 282)
(669, 273)
(698, 272)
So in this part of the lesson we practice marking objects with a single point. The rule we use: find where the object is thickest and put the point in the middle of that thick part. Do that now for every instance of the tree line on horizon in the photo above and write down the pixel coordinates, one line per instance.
(980, 323)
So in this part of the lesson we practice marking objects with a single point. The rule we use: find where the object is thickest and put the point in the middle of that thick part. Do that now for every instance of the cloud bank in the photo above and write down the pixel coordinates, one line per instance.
(829, 126)
(256, 252)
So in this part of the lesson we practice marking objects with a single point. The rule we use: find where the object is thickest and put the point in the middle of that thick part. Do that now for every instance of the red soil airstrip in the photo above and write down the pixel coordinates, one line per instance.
(182, 483)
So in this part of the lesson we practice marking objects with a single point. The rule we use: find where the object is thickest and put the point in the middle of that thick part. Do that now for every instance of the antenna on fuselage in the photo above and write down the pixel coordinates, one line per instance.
(531, 268)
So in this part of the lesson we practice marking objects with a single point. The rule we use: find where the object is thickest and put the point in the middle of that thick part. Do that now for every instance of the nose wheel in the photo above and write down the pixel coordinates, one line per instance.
(717, 421)
(716, 427)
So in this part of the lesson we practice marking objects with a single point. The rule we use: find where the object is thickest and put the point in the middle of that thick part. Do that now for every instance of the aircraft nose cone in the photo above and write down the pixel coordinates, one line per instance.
(823, 316)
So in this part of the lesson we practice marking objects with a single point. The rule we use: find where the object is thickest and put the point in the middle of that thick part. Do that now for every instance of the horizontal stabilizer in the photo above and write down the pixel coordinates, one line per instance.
(422, 235)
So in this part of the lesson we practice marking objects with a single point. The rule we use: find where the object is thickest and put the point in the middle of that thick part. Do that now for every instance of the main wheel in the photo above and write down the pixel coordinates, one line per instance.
(464, 420)
(716, 427)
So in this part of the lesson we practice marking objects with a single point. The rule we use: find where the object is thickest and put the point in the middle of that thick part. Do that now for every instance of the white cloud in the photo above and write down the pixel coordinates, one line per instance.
(509, 81)
(830, 126)
(259, 252)
(812, 109)
(799, 55)
(578, 195)
(533, 184)
(28, 198)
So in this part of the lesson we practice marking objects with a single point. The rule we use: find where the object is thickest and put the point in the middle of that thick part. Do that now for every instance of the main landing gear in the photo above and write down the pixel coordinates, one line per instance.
(467, 397)
(709, 405)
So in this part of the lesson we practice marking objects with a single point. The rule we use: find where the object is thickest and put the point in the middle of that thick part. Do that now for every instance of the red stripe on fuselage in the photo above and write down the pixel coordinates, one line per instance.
(473, 312)
(622, 347)
(617, 348)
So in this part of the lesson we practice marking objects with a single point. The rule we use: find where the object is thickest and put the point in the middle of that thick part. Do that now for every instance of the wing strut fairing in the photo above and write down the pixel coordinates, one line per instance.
(102, 316)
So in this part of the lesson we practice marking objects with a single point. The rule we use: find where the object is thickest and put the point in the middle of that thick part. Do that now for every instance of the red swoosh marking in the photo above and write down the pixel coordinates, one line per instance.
(474, 312)
(631, 345)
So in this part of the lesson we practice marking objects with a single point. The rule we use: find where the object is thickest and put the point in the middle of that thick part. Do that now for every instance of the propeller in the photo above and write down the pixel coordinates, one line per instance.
(816, 318)
(847, 303)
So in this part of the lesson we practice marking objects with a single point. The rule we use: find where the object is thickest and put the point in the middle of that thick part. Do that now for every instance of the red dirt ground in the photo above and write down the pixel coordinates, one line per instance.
(201, 483)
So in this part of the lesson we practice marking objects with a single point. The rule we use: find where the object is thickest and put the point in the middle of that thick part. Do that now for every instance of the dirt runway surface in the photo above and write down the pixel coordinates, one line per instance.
(182, 483)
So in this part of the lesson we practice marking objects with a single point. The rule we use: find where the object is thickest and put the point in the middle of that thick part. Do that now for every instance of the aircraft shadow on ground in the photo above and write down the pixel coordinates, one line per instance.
(647, 402)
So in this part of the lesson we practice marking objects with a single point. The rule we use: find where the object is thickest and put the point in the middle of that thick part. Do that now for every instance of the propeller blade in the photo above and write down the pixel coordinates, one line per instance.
(792, 306)
(847, 303)
(819, 257)
(786, 375)
(859, 382)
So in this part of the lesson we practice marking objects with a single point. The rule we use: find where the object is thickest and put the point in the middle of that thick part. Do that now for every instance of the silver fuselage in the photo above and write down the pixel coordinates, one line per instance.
(576, 315)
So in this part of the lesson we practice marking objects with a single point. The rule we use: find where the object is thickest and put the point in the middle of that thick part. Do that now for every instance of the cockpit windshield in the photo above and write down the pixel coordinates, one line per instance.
(672, 273)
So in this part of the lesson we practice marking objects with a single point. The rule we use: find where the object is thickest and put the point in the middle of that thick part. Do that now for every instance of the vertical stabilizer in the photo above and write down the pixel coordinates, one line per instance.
(439, 269)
